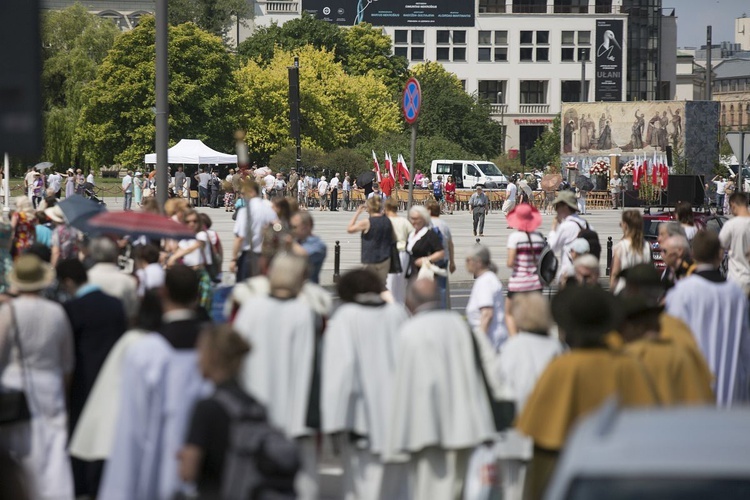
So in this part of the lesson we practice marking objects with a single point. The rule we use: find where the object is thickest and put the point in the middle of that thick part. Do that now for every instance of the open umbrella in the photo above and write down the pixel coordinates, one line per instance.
(365, 178)
(153, 226)
(77, 210)
(551, 182)
(43, 165)
(584, 183)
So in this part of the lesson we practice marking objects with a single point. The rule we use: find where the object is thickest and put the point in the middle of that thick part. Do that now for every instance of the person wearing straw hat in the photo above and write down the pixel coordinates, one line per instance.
(565, 229)
(36, 356)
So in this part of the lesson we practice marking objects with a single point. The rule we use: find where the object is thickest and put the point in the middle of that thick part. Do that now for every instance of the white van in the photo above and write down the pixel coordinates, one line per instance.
(469, 173)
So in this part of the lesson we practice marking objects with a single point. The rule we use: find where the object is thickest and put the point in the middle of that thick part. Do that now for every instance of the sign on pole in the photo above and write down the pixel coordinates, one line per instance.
(410, 103)
(740, 143)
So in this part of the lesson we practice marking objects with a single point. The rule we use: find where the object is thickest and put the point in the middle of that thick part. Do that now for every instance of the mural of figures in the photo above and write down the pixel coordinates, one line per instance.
(602, 128)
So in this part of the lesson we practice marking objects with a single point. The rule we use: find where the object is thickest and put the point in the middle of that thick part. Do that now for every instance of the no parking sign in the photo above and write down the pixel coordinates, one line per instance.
(411, 100)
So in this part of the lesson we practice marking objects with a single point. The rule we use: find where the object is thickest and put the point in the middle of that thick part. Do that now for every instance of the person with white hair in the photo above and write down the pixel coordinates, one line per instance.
(586, 270)
(323, 192)
(485, 310)
(578, 248)
(281, 370)
(107, 275)
(423, 244)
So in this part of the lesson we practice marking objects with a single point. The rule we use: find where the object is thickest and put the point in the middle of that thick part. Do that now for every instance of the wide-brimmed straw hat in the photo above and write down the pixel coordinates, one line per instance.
(524, 217)
(567, 197)
(55, 214)
(30, 274)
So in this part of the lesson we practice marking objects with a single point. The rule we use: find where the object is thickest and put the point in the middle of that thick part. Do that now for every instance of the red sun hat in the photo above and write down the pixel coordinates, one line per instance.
(524, 217)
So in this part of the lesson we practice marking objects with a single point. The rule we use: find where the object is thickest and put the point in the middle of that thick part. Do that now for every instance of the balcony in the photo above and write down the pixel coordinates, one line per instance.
(281, 7)
(533, 109)
(498, 109)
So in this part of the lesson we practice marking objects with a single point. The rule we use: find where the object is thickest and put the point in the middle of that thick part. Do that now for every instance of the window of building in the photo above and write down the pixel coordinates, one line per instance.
(443, 36)
(570, 90)
(485, 54)
(401, 36)
(603, 6)
(459, 53)
(542, 54)
(492, 91)
(501, 54)
(443, 54)
(501, 38)
(568, 37)
(529, 6)
(417, 36)
(485, 38)
(459, 36)
(463, 85)
(401, 51)
(533, 92)
(567, 54)
(584, 38)
(584, 55)
(526, 54)
(542, 37)
(417, 54)
(491, 6)
(527, 37)
(571, 6)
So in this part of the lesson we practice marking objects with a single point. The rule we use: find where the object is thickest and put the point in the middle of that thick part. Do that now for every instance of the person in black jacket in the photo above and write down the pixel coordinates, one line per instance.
(98, 320)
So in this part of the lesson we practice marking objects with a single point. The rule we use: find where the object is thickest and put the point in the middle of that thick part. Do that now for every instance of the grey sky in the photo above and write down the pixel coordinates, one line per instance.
(694, 15)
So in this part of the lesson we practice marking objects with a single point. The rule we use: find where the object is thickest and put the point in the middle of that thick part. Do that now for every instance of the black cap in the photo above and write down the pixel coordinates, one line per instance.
(642, 275)
(585, 314)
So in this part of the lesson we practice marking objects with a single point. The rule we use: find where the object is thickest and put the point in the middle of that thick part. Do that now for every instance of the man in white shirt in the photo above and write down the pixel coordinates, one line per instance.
(346, 189)
(334, 189)
(323, 192)
(511, 193)
(565, 229)
(721, 185)
(269, 181)
(279, 186)
(55, 183)
(127, 189)
(615, 188)
(246, 250)
(203, 177)
(301, 193)
(90, 178)
(28, 182)
(735, 238)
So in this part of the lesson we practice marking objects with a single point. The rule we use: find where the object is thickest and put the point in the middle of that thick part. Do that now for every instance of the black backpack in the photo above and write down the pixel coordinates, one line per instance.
(588, 234)
(546, 265)
(260, 462)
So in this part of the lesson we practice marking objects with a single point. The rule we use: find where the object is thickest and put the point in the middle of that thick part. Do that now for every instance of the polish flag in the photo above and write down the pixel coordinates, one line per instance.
(376, 166)
(389, 166)
(664, 176)
(403, 170)
(655, 174)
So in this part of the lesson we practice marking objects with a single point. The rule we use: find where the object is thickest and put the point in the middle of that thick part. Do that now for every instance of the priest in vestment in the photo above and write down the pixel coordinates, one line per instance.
(160, 384)
(677, 376)
(440, 408)
(358, 366)
(281, 371)
(578, 382)
(717, 312)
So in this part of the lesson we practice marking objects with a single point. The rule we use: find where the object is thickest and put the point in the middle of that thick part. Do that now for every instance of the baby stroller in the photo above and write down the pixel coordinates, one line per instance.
(89, 191)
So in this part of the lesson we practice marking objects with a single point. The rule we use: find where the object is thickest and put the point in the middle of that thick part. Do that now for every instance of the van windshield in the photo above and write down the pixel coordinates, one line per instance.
(488, 168)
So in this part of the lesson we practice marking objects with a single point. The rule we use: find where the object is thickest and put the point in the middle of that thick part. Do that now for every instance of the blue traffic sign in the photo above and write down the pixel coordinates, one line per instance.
(411, 101)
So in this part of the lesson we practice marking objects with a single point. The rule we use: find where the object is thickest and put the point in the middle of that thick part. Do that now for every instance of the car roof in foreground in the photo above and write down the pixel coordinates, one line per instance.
(666, 442)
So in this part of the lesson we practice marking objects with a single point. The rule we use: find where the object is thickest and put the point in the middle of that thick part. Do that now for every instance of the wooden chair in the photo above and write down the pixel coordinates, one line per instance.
(194, 197)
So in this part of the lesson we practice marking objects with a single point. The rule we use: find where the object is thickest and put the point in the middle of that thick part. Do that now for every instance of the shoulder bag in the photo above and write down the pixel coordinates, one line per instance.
(503, 411)
(14, 407)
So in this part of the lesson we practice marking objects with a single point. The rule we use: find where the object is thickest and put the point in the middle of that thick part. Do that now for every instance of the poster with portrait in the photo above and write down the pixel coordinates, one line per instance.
(609, 60)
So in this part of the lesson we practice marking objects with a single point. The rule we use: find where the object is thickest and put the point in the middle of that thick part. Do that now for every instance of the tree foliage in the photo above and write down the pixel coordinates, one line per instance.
(450, 112)
(117, 123)
(546, 149)
(369, 52)
(213, 16)
(428, 149)
(337, 110)
(74, 43)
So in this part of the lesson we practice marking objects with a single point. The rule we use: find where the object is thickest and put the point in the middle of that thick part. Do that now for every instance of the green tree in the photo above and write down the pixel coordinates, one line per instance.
(546, 149)
(369, 52)
(215, 16)
(286, 158)
(117, 124)
(448, 111)
(74, 43)
(337, 110)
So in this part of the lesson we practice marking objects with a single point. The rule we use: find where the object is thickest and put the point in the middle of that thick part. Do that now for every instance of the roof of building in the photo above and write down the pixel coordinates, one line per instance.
(733, 68)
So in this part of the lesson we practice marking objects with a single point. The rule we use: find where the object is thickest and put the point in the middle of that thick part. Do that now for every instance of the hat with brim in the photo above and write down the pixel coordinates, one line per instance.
(642, 275)
(524, 217)
(480, 187)
(634, 306)
(30, 274)
(585, 313)
(566, 197)
(55, 214)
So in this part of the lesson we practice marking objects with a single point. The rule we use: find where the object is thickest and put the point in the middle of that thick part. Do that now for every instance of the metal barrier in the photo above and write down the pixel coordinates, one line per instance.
(609, 255)
(337, 262)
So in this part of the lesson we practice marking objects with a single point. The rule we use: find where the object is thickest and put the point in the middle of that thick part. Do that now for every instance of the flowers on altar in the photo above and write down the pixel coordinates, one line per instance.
(628, 168)
(572, 165)
(600, 167)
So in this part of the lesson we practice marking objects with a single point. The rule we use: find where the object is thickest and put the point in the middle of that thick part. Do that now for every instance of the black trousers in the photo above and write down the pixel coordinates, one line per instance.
(334, 199)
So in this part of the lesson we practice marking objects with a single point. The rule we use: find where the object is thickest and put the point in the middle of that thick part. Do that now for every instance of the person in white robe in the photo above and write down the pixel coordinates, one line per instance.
(278, 372)
(440, 409)
(161, 383)
(515, 370)
(358, 365)
(716, 310)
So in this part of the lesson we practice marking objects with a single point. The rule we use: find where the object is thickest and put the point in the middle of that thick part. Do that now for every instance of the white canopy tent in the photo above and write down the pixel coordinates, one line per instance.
(193, 151)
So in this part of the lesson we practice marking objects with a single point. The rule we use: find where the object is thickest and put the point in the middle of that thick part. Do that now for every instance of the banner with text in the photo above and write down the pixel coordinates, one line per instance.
(393, 12)
(609, 60)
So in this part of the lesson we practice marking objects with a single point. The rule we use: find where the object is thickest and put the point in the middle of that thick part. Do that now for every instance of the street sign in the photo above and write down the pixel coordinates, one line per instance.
(740, 142)
(411, 101)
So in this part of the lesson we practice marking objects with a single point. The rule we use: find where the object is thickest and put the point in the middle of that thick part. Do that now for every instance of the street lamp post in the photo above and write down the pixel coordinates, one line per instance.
(502, 120)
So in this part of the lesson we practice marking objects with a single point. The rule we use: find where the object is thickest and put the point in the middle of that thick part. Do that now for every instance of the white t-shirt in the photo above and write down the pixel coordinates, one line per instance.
(301, 185)
(334, 183)
(127, 184)
(488, 292)
(322, 187)
(55, 181)
(261, 215)
(90, 179)
(203, 179)
(735, 236)
(720, 187)
(425, 181)
(560, 239)
(511, 191)
(194, 258)
(269, 181)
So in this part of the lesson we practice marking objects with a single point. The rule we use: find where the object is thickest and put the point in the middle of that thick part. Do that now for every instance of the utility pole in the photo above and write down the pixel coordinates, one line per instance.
(162, 104)
(709, 90)
(294, 113)
(583, 80)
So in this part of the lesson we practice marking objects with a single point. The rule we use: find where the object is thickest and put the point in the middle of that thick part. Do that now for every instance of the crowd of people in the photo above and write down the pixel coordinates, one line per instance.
(134, 388)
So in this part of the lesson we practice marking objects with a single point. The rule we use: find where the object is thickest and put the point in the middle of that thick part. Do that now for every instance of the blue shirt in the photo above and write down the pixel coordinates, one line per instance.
(316, 254)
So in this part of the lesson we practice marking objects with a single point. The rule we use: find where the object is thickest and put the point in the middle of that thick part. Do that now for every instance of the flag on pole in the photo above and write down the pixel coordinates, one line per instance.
(637, 174)
(376, 166)
(403, 171)
(389, 166)
(655, 174)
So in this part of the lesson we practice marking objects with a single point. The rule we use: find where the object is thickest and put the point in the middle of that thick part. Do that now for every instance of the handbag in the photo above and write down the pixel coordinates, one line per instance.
(503, 411)
(14, 407)
(395, 260)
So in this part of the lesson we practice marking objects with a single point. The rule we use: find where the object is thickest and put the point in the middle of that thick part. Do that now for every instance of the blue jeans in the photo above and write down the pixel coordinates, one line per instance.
(128, 200)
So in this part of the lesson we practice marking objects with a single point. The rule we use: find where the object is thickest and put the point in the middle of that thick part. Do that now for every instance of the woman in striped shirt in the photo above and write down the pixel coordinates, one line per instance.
(525, 246)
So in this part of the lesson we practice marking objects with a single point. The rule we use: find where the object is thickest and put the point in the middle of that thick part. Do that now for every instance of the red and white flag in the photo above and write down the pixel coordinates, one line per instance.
(403, 171)
(637, 176)
(376, 166)
(664, 176)
(389, 166)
